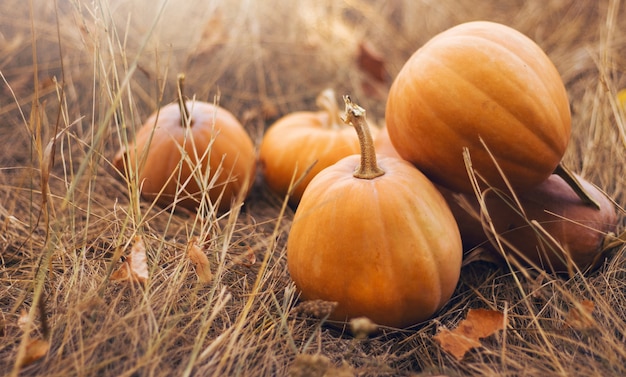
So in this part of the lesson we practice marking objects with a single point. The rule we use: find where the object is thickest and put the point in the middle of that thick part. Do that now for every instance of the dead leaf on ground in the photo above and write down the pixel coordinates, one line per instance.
(35, 350)
(371, 61)
(580, 316)
(200, 261)
(134, 268)
(479, 323)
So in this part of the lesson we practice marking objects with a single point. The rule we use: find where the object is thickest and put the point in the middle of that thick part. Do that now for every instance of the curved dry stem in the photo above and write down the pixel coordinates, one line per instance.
(327, 101)
(573, 182)
(355, 116)
(184, 111)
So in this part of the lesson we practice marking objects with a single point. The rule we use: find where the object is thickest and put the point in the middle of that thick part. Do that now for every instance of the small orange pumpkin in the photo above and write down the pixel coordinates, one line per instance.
(383, 144)
(298, 140)
(575, 230)
(375, 236)
(480, 81)
(180, 144)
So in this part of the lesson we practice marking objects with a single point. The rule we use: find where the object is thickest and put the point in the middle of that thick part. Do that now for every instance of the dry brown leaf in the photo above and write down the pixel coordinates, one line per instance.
(134, 268)
(479, 323)
(580, 316)
(35, 350)
(371, 61)
(200, 261)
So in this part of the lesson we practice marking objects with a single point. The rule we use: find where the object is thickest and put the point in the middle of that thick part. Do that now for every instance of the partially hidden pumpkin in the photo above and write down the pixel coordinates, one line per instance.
(383, 144)
(303, 140)
(568, 233)
(375, 236)
(480, 84)
(181, 151)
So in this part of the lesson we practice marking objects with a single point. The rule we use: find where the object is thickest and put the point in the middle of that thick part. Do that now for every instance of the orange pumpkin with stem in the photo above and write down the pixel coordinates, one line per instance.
(375, 236)
(302, 140)
(480, 82)
(188, 148)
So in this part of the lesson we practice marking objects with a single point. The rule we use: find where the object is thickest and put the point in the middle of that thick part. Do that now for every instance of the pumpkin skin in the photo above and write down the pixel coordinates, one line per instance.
(578, 228)
(297, 140)
(164, 135)
(480, 80)
(383, 144)
(387, 248)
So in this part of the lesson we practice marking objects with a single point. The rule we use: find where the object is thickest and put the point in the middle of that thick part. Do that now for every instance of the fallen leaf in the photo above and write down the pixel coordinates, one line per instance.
(479, 323)
(580, 316)
(35, 350)
(200, 261)
(134, 268)
(371, 61)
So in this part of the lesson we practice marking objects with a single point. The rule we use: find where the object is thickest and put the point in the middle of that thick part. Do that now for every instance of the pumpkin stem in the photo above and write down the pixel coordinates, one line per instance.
(184, 111)
(355, 116)
(327, 101)
(573, 182)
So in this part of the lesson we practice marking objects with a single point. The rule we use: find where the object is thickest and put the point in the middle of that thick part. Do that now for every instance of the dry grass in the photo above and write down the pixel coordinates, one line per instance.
(91, 71)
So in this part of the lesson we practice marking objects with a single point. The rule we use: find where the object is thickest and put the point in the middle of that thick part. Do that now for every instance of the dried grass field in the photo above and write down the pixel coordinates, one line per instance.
(77, 78)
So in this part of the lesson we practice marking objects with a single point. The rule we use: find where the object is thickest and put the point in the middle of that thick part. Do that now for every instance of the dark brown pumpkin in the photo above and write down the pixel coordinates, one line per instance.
(575, 230)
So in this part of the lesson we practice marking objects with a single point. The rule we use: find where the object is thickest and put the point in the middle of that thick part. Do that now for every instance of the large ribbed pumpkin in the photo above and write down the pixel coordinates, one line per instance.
(375, 236)
(480, 80)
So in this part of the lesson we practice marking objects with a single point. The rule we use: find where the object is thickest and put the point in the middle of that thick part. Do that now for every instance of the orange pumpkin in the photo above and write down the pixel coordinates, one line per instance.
(375, 236)
(298, 140)
(480, 81)
(575, 230)
(173, 156)
(383, 144)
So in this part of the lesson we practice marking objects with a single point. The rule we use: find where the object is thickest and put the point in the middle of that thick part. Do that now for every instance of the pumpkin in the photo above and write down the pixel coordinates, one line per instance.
(383, 145)
(374, 235)
(487, 87)
(575, 230)
(182, 143)
(303, 140)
